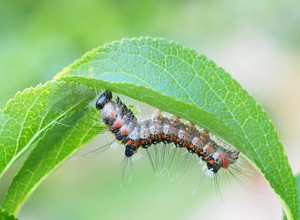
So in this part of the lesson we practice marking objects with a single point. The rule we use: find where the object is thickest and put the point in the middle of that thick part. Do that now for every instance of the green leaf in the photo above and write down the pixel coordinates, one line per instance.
(297, 177)
(46, 116)
(5, 216)
(158, 72)
(298, 188)
(177, 80)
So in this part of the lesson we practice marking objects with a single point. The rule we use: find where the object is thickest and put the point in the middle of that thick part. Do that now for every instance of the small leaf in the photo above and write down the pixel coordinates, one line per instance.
(5, 216)
(298, 187)
(47, 116)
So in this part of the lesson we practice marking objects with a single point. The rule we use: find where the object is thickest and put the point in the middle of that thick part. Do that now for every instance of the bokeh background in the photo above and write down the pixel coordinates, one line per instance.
(257, 41)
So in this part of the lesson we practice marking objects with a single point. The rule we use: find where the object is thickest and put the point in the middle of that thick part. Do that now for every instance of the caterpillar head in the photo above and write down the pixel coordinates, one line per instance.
(103, 99)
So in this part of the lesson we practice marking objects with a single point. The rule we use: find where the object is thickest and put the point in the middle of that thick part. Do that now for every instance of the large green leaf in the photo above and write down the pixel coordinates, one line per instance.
(175, 79)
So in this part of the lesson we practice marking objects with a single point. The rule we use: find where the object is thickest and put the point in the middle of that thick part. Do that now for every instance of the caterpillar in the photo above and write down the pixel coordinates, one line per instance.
(134, 134)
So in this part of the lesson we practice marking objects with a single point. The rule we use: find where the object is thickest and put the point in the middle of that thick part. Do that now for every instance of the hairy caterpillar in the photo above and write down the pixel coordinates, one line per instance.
(159, 129)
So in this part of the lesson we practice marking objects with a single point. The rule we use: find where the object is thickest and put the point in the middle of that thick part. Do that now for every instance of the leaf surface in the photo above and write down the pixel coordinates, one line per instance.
(167, 76)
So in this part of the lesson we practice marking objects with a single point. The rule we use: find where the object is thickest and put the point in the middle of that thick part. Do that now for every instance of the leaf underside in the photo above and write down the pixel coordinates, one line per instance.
(157, 72)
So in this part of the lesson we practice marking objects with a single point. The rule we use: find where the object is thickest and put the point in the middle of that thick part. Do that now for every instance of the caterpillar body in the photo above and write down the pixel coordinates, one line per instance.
(134, 134)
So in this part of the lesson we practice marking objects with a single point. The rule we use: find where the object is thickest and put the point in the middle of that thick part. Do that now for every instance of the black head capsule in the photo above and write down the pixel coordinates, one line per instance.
(103, 99)
(129, 150)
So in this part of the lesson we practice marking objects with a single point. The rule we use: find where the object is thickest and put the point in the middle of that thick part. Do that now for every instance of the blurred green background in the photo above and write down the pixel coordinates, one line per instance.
(257, 41)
